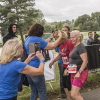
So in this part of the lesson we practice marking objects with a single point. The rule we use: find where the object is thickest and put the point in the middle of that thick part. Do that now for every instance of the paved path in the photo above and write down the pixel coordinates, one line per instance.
(90, 95)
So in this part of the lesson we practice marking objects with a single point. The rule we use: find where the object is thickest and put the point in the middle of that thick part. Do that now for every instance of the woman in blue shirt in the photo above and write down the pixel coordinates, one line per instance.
(11, 68)
(37, 83)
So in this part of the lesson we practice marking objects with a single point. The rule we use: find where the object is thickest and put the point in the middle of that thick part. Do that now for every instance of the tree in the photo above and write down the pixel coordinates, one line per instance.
(80, 27)
(95, 26)
(47, 28)
(59, 25)
(21, 12)
(82, 19)
(88, 25)
(96, 17)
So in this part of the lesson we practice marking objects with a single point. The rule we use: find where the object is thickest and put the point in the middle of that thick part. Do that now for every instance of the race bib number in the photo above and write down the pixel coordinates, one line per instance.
(72, 68)
(65, 60)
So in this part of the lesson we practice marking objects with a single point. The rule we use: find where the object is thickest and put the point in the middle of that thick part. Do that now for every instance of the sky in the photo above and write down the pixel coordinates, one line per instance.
(61, 10)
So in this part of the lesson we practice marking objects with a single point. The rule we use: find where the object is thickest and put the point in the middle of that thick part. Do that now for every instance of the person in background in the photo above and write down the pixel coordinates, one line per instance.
(65, 47)
(53, 32)
(78, 56)
(11, 68)
(90, 38)
(11, 32)
(96, 40)
(60, 65)
(66, 29)
(46, 52)
(37, 83)
(95, 35)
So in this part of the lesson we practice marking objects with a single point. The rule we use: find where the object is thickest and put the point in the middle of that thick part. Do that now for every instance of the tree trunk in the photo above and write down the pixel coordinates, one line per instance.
(21, 36)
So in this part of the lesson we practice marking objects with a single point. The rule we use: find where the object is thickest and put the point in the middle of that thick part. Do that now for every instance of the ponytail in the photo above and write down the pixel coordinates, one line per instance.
(81, 38)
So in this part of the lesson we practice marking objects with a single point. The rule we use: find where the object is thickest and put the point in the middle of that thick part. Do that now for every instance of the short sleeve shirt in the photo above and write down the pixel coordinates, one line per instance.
(32, 39)
(75, 55)
(9, 78)
(65, 49)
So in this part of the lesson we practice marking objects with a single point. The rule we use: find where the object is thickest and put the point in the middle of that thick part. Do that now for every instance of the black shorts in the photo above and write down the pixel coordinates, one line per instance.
(14, 98)
(67, 81)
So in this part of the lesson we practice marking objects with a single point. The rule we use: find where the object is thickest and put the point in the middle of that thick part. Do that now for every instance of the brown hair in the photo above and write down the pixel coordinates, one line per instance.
(36, 30)
(89, 32)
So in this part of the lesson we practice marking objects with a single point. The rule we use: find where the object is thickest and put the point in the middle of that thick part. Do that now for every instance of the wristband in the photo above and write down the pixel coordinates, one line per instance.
(41, 61)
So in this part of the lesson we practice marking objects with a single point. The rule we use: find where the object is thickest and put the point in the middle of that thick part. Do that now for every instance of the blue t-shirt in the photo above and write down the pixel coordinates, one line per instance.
(32, 39)
(9, 78)
(68, 37)
(57, 50)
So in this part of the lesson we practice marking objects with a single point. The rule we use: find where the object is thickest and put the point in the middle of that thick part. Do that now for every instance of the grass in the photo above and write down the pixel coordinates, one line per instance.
(92, 82)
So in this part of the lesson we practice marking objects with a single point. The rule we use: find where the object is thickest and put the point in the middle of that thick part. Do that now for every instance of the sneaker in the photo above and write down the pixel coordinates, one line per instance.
(63, 94)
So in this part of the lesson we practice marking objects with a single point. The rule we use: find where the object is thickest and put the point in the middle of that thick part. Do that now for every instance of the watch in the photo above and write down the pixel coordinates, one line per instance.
(80, 71)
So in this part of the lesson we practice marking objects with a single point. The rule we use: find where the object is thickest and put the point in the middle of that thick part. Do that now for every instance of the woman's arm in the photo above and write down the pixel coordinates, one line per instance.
(51, 46)
(32, 70)
(53, 61)
(50, 38)
(85, 61)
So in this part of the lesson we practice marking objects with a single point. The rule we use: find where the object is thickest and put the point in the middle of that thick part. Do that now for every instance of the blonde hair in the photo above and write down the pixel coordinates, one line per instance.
(64, 35)
(10, 51)
(78, 34)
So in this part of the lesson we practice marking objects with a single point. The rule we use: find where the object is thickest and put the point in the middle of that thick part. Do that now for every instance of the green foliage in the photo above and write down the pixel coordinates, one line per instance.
(88, 23)
(21, 12)
(59, 25)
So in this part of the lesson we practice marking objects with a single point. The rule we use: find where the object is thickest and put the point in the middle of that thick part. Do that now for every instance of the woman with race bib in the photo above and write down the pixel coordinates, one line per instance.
(78, 60)
(65, 47)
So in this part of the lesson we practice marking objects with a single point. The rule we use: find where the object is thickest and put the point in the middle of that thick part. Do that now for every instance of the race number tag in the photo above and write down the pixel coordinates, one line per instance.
(65, 60)
(72, 68)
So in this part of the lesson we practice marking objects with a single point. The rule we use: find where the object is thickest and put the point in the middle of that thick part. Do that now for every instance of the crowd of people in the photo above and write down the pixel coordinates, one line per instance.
(93, 40)
(71, 52)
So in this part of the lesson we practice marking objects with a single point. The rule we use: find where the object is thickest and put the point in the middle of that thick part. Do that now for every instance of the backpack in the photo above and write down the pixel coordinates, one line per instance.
(24, 55)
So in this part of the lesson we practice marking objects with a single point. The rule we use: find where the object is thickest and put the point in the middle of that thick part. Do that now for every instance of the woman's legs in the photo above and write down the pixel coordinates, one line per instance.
(68, 93)
(77, 84)
(75, 93)
(34, 92)
(67, 85)
(37, 84)
(41, 86)
(60, 65)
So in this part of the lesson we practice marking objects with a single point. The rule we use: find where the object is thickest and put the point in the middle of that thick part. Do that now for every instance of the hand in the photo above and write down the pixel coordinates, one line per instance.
(52, 35)
(31, 56)
(59, 34)
(65, 72)
(50, 65)
(77, 75)
(39, 55)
